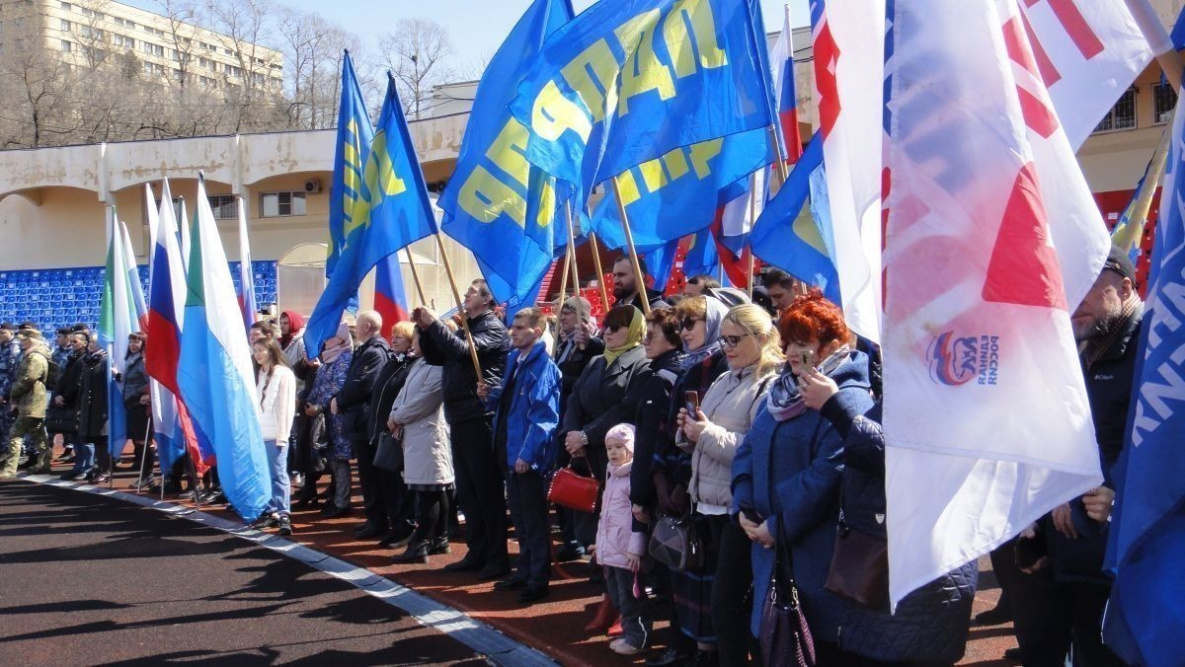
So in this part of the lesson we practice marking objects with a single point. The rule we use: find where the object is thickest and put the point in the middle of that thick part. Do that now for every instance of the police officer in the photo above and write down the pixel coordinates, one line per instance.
(9, 354)
(27, 396)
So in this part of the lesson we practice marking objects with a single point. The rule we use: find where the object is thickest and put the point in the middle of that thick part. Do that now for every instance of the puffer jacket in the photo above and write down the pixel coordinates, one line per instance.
(27, 393)
(793, 468)
(930, 624)
(450, 350)
(616, 537)
(731, 405)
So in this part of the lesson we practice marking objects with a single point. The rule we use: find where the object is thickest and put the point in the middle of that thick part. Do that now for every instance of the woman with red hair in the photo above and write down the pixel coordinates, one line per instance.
(786, 473)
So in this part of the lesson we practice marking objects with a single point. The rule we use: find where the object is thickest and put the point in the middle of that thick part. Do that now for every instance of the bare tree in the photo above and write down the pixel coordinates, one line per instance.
(416, 54)
(89, 33)
(244, 24)
(312, 48)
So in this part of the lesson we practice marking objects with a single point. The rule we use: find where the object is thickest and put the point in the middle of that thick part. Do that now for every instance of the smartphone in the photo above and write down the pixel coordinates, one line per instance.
(691, 402)
(751, 514)
(808, 359)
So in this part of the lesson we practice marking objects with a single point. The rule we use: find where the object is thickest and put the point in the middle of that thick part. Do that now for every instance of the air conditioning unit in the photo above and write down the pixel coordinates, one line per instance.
(312, 186)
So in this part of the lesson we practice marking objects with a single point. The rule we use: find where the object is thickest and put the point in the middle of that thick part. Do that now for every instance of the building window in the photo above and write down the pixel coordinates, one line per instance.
(65, 25)
(283, 203)
(1122, 116)
(66, 46)
(1165, 97)
(223, 206)
(66, 6)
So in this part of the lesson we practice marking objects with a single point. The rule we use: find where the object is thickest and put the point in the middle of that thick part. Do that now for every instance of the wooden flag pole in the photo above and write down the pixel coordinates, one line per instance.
(752, 219)
(448, 269)
(564, 276)
(415, 275)
(640, 280)
(575, 270)
(782, 168)
(596, 248)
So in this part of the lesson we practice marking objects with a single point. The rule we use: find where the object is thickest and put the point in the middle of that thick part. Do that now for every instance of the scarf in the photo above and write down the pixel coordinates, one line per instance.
(330, 354)
(713, 318)
(295, 326)
(632, 339)
(785, 398)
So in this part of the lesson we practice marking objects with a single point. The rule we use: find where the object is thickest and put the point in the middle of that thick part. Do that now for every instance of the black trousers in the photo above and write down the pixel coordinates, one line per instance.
(731, 590)
(1052, 616)
(479, 490)
(527, 493)
(374, 504)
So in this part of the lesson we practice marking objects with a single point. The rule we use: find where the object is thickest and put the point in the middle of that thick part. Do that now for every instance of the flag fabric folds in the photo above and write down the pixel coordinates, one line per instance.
(246, 289)
(390, 297)
(1147, 534)
(354, 134)
(977, 328)
(392, 212)
(497, 204)
(790, 237)
(215, 375)
(119, 317)
(602, 95)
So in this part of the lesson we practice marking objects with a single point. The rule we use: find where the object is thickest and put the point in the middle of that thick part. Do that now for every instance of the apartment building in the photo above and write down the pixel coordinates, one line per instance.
(104, 33)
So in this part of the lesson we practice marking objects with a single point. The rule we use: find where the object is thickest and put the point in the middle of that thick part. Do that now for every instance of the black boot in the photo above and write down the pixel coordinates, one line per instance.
(417, 552)
(439, 546)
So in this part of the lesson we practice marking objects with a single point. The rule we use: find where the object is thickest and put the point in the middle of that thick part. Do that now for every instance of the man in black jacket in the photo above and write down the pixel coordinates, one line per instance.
(352, 402)
(1060, 597)
(479, 469)
(625, 285)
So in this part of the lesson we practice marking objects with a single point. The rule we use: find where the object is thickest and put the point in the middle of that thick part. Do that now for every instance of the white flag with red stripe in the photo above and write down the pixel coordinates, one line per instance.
(1088, 52)
(991, 233)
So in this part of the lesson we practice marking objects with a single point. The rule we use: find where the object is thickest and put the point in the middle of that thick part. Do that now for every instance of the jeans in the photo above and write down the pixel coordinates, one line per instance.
(528, 505)
(277, 463)
(84, 457)
(341, 482)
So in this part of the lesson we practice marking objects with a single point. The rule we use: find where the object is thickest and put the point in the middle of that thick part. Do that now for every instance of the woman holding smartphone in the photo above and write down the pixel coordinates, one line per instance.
(711, 435)
(788, 469)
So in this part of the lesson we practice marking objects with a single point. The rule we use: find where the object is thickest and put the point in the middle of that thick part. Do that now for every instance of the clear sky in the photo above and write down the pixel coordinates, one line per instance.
(476, 27)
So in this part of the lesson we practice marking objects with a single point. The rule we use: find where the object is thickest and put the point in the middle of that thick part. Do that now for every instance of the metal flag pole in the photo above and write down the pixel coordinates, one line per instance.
(448, 269)
(640, 280)
(144, 456)
(415, 275)
(596, 248)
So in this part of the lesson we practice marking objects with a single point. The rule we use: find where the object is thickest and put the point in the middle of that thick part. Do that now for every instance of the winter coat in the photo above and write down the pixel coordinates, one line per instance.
(450, 350)
(92, 396)
(793, 469)
(277, 403)
(731, 404)
(597, 402)
(673, 465)
(1109, 390)
(353, 398)
(931, 623)
(533, 413)
(573, 362)
(135, 378)
(386, 388)
(427, 456)
(616, 536)
(652, 435)
(27, 393)
(329, 380)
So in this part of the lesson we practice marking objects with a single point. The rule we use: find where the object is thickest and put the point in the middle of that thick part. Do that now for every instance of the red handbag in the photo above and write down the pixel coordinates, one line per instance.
(573, 490)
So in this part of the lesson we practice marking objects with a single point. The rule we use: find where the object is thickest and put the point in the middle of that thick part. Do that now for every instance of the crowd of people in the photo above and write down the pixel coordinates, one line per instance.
(734, 442)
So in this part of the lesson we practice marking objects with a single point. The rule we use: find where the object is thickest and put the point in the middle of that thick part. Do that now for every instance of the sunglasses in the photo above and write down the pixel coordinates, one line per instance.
(732, 341)
(688, 323)
(615, 327)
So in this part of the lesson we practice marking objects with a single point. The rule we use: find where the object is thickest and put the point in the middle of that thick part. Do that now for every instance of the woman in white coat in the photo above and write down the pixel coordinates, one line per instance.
(277, 406)
(417, 417)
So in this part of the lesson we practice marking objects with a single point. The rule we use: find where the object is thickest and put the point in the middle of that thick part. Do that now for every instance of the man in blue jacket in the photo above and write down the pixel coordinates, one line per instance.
(527, 413)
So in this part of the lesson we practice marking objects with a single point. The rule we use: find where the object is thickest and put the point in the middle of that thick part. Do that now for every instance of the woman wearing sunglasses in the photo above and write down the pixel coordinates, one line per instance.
(711, 435)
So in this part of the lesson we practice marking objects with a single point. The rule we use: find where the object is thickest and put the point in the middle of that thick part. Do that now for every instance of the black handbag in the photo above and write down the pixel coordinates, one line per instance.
(389, 455)
(784, 635)
(676, 543)
(319, 439)
(61, 419)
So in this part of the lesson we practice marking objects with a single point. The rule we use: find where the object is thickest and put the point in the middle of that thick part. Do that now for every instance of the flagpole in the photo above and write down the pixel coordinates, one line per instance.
(144, 455)
(596, 248)
(1154, 32)
(782, 154)
(752, 219)
(575, 271)
(448, 269)
(640, 280)
(564, 275)
(415, 275)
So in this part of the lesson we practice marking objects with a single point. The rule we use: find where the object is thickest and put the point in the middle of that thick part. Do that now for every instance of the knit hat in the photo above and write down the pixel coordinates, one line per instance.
(579, 305)
(624, 433)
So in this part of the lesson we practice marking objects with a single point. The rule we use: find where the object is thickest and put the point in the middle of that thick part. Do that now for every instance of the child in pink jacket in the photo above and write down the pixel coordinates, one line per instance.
(619, 548)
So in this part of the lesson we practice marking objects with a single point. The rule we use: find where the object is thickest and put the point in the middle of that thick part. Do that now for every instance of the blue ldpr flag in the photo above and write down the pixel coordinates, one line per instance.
(499, 206)
(702, 258)
(1146, 612)
(626, 82)
(392, 212)
(354, 134)
(798, 244)
(678, 194)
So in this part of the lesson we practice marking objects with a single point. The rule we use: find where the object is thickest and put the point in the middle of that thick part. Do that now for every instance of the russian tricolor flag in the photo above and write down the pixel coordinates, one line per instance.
(390, 297)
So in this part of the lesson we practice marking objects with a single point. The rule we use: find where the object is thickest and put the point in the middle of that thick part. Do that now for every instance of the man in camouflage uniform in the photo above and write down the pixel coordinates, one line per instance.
(9, 354)
(27, 396)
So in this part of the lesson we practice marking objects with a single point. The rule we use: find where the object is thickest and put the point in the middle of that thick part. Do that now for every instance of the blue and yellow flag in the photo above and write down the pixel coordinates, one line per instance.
(497, 204)
(627, 82)
(797, 242)
(354, 134)
(392, 211)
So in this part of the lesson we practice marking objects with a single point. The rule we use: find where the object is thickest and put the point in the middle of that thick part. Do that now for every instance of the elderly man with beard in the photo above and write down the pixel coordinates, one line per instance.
(1062, 590)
